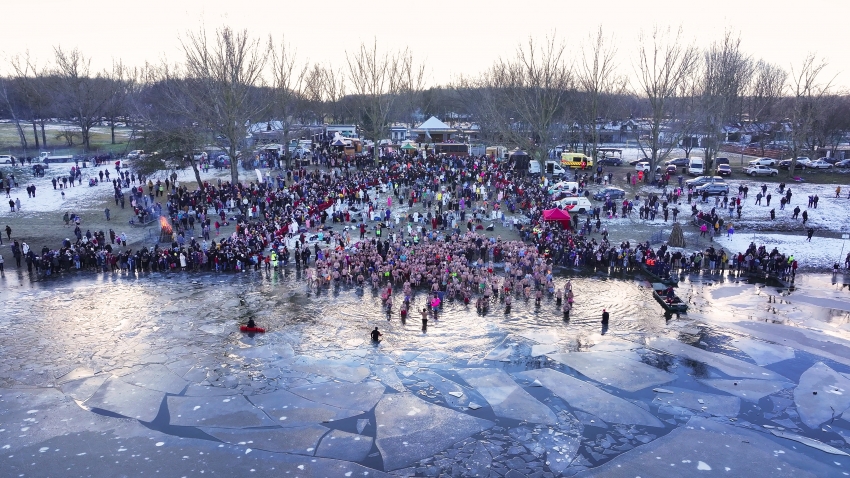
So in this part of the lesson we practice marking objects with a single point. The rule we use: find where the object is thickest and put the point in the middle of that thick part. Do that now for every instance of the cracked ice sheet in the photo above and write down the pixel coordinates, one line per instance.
(763, 353)
(832, 399)
(614, 369)
(139, 451)
(292, 410)
(351, 396)
(813, 342)
(127, 400)
(586, 397)
(348, 371)
(706, 448)
(269, 351)
(446, 387)
(410, 429)
(218, 412)
(503, 351)
(541, 336)
(344, 446)
(750, 390)
(717, 405)
(506, 398)
(156, 377)
(298, 440)
(728, 365)
(83, 388)
(388, 376)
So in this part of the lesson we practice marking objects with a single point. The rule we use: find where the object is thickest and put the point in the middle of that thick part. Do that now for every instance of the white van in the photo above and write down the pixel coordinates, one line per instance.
(696, 167)
(553, 169)
(578, 204)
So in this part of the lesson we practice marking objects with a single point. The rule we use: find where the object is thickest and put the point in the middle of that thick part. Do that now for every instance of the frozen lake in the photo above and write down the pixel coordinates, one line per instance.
(121, 375)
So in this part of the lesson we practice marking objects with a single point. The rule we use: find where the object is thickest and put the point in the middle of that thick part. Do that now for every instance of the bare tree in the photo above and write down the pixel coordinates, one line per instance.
(598, 80)
(377, 80)
(726, 74)
(664, 62)
(7, 94)
(524, 99)
(766, 91)
(806, 103)
(287, 88)
(121, 79)
(35, 92)
(222, 76)
(81, 95)
(168, 115)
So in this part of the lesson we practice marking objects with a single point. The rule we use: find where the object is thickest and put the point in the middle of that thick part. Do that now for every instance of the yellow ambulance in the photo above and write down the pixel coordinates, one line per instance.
(576, 161)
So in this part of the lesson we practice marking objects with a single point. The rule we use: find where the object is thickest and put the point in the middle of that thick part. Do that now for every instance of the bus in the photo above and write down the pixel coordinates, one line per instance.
(454, 149)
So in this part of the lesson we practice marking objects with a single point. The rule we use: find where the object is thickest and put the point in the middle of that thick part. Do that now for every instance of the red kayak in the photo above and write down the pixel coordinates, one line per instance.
(245, 328)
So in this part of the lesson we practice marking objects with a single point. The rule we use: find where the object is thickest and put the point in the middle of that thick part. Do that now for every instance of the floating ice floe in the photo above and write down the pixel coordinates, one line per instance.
(810, 442)
(298, 440)
(763, 353)
(291, 410)
(410, 429)
(342, 445)
(349, 371)
(350, 396)
(718, 405)
(821, 395)
(586, 397)
(218, 412)
(747, 389)
(614, 369)
(506, 398)
(127, 400)
(156, 377)
(728, 365)
(706, 447)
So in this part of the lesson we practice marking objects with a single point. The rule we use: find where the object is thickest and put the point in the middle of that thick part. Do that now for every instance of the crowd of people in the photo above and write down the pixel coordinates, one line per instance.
(410, 222)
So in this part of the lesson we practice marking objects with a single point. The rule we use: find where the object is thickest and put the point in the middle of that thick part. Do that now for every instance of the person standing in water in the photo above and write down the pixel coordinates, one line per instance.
(605, 317)
(376, 336)
(424, 318)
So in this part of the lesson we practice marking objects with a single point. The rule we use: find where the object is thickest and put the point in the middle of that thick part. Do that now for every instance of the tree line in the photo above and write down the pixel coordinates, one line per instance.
(544, 94)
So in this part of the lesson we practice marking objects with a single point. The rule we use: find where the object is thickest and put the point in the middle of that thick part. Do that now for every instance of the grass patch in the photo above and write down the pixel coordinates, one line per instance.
(100, 139)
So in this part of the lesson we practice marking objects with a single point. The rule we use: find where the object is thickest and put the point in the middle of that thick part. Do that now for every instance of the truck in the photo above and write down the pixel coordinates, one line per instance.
(47, 157)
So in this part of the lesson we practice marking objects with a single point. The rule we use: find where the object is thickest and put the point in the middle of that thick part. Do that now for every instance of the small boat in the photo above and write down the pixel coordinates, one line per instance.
(257, 330)
(659, 291)
(668, 279)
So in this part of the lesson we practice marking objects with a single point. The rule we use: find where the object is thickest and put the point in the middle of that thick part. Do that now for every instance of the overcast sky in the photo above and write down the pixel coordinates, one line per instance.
(451, 37)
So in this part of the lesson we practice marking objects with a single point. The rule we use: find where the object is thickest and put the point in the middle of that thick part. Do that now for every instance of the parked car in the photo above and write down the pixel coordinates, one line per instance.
(678, 162)
(610, 162)
(805, 161)
(713, 189)
(760, 170)
(612, 193)
(671, 169)
(785, 165)
(635, 161)
(724, 170)
(830, 160)
(6, 159)
(844, 163)
(763, 162)
(699, 181)
(135, 154)
(819, 164)
(644, 166)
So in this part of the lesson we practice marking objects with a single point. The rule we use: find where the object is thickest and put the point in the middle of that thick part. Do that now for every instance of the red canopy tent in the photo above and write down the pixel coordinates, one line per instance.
(558, 215)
